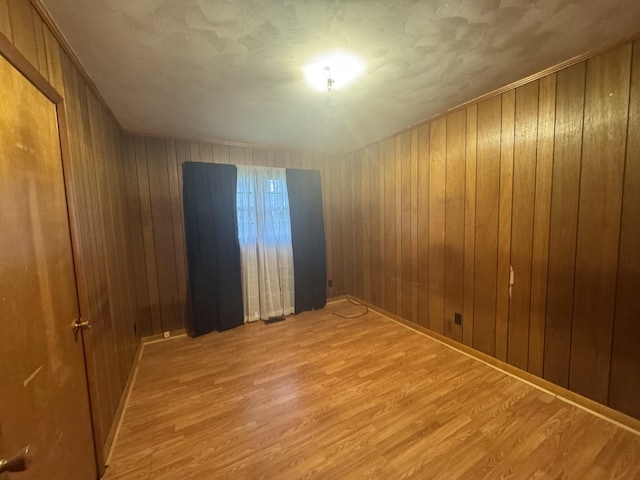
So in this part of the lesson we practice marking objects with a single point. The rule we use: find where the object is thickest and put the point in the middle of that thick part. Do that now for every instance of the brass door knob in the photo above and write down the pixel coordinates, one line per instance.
(79, 324)
(18, 463)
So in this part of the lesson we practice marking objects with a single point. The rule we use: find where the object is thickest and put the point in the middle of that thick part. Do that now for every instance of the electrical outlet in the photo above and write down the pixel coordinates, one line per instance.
(458, 318)
(330, 283)
(166, 334)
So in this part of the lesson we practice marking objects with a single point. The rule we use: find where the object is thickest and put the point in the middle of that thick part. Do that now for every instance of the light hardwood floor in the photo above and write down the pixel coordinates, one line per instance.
(319, 396)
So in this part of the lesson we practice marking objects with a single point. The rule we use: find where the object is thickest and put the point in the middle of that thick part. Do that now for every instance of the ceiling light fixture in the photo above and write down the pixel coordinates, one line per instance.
(333, 72)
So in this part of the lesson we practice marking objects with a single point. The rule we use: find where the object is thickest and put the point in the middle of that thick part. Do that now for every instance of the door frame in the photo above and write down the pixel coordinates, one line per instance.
(24, 66)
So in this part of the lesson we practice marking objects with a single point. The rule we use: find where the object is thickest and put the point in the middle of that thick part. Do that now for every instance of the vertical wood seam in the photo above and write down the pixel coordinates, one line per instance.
(173, 225)
(553, 161)
(533, 220)
(624, 174)
(575, 253)
(495, 306)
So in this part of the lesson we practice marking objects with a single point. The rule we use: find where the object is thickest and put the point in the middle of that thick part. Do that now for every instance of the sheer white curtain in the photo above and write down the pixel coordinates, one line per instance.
(264, 231)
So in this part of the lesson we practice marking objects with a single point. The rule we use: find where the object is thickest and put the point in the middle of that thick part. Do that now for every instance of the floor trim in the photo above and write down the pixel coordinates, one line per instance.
(602, 411)
(122, 407)
(126, 393)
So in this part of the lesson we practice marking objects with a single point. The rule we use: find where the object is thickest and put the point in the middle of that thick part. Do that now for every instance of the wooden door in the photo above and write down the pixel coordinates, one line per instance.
(43, 388)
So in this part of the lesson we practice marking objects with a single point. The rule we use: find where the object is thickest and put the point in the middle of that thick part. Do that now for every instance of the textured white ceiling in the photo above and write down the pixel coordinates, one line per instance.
(232, 69)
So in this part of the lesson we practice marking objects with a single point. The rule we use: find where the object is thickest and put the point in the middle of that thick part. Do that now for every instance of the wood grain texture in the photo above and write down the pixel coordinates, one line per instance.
(524, 198)
(162, 229)
(101, 203)
(624, 383)
(147, 235)
(454, 224)
(436, 215)
(505, 216)
(367, 243)
(486, 228)
(375, 210)
(324, 167)
(405, 225)
(159, 187)
(41, 48)
(358, 225)
(601, 182)
(5, 20)
(469, 223)
(136, 243)
(540, 253)
(337, 224)
(397, 161)
(40, 292)
(423, 225)
(175, 158)
(524, 183)
(414, 222)
(363, 398)
(563, 224)
(347, 218)
(389, 255)
(23, 33)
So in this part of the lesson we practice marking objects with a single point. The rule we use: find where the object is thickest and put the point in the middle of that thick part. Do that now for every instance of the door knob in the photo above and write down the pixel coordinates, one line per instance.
(80, 324)
(19, 463)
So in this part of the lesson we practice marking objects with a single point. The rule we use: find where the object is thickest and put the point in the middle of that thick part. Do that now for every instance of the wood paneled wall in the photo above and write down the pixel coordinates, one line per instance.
(104, 218)
(544, 179)
(154, 185)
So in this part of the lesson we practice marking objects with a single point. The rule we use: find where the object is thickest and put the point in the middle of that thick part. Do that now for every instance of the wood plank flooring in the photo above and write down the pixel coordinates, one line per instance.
(319, 396)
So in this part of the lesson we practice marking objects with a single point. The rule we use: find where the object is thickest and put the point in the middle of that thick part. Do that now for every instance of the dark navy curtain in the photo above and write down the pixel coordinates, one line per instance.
(213, 251)
(307, 238)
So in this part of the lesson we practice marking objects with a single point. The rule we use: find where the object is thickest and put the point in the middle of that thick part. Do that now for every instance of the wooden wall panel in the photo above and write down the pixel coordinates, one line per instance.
(624, 384)
(505, 215)
(147, 235)
(162, 231)
(437, 198)
(5, 19)
(524, 182)
(41, 48)
(175, 159)
(104, 214)
(469, 223)
(563, 224)
(454, 225)
(389, 249)
(136, 244)
(337, 223)
(543, 177)
(374, 208)
(347, 216)
(540, 255)
(21, 14)
(423, 224)
(405, 225)
(358, 225)
(397, 189)
(206, 153)
(382, 214)
(325, 168)
(366, 245)
(486, 228)
(413, 155)
(158, 171)
(601, 182)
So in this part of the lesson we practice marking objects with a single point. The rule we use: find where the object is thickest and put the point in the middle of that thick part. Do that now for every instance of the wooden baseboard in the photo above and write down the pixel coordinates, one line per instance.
(607, 413)
(159, 336)
(126, 393)
(335, 299)
(117, 419)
